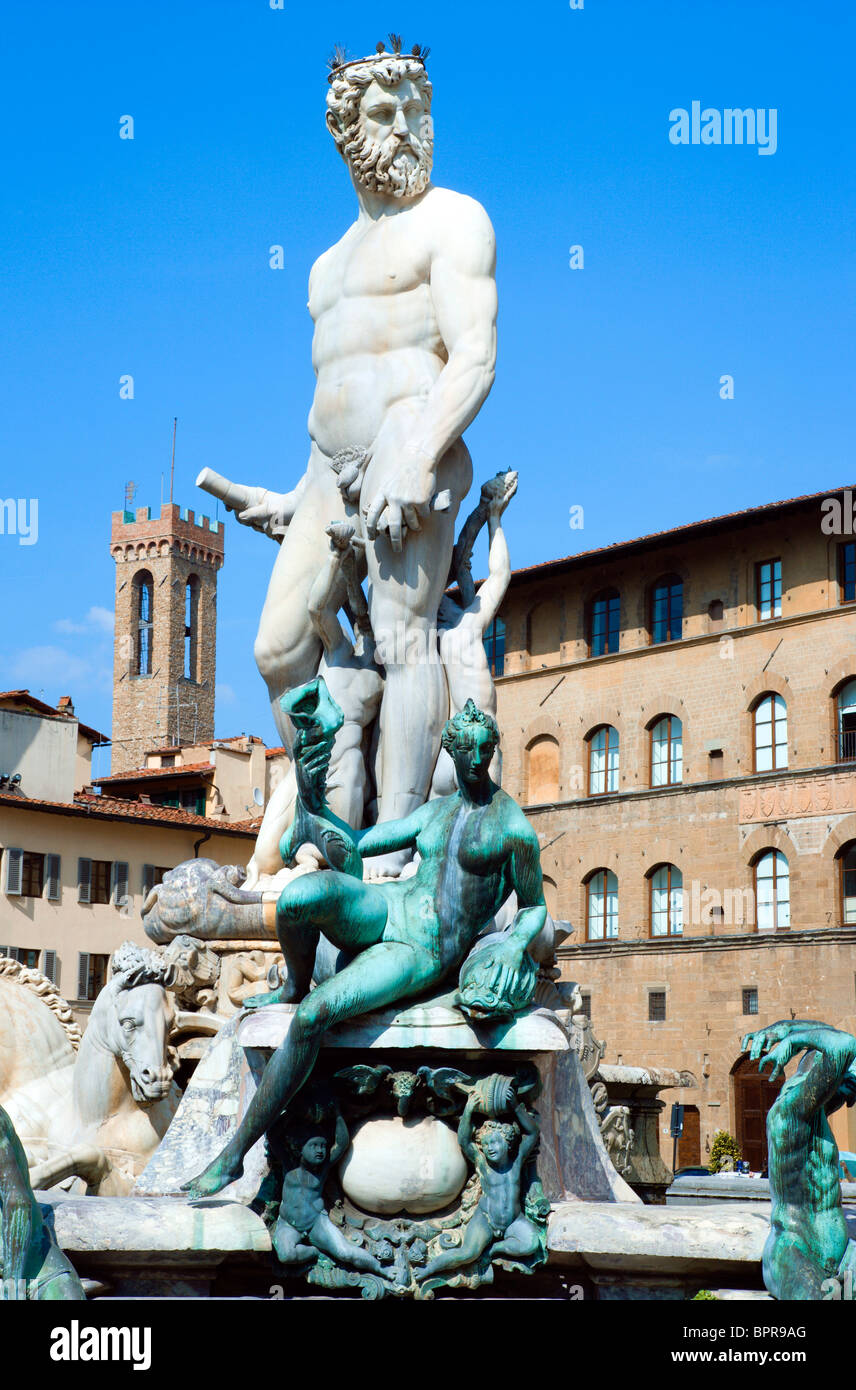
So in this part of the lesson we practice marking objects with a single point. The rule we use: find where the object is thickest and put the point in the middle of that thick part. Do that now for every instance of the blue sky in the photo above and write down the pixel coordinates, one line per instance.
(150, 257)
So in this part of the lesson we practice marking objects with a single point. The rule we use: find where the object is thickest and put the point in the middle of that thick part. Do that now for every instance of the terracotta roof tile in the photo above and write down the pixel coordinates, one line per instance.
(178, 771)
(115, 808)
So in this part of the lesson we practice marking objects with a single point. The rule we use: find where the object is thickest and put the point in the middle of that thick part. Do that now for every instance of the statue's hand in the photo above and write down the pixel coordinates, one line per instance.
(498, 491)
(497, 980)
(780, 1054)
(311, 761)
(271, 514)
(765, 1038)
(399, 504)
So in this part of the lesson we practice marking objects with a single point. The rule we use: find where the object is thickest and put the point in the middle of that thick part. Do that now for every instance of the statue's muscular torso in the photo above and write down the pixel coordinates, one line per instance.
(377, 343)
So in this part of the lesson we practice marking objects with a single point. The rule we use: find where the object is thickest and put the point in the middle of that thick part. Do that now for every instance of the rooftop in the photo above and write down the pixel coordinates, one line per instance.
(116, 809)
(691, 530)
(64, 711)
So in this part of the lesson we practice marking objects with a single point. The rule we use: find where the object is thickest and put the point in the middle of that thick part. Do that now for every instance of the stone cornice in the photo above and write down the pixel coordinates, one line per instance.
(740, 941)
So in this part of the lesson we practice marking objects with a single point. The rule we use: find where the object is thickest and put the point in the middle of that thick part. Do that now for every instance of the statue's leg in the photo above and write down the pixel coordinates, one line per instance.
(350, 913)
(477, 1238)
(287, 647)
(521, 1239)
(404, 593)
(288, 1245)
(330, 1241)
(381, 975)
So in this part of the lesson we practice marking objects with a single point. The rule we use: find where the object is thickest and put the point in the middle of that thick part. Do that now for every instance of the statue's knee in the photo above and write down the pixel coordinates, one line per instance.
(311, 1018)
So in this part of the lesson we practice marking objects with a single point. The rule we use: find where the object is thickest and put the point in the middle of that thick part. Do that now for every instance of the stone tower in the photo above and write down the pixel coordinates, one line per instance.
(166, 630)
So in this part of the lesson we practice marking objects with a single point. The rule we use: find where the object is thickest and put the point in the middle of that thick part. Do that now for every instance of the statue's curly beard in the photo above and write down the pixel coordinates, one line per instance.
(399, 170)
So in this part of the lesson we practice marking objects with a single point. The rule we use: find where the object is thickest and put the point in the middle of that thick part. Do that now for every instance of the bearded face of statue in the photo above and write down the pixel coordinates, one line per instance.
(390, 151)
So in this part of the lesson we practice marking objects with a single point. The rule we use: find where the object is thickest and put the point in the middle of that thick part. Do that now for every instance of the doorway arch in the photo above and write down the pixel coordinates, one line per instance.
(754, 1095)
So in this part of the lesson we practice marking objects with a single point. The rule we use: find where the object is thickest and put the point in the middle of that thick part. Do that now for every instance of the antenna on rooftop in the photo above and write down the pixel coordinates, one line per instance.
(130, 494)
(172, 465)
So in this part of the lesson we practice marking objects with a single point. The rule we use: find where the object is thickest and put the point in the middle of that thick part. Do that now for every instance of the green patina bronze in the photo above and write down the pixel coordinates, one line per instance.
(808, 1244)
(404, 937)
(33, 1266)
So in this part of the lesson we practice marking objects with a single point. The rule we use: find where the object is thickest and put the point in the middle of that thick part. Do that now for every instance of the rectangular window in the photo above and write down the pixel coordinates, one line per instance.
(152, 876)
(667, 610)
(769, 589)
(25, 955)
(605, 624)
(750, 1001)
(91, 974)
(101, 885)
(656, 1006)
(32, 875)
(586, 1009)
(847, 572)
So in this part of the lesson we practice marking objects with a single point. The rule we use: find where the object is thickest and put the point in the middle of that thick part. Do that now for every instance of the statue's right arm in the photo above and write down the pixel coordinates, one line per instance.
(393, 834)
(817, 1086)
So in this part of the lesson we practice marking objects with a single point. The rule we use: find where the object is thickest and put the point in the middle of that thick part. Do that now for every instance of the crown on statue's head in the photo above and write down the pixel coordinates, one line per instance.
(339, 60)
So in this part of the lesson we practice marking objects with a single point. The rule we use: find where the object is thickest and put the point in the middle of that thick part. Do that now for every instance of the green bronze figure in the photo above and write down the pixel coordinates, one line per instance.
(498, 1151)
(307, 1151)
(33, 1265)
(406, 936)
(808, 1243)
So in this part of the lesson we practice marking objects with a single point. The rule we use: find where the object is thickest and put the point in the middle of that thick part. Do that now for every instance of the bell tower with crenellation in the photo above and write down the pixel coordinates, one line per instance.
(164, 661)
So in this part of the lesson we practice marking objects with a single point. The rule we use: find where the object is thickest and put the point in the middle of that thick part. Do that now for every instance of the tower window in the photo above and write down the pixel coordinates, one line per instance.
(847, 572)
(143, 621)
(191, 623)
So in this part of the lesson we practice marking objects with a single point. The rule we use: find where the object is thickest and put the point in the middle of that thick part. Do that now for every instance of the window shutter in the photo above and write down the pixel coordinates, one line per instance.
(49, 966)
(14, 862)
(53, 872)
(148, 879)
(84, 883)
(4, 951)
(120, 883)
(83, 972)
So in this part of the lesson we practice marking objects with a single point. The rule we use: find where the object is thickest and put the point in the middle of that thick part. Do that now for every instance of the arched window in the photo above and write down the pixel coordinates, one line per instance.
(847, 861)
(667, 609)
(846, 703)
(602, 905)
(542, 770)
(772, 890)
(667, 751)
(494, 645)
(604, 623)
(666, 886)
(191, 626)
(771, 734)
(143, 605)
(603, 760)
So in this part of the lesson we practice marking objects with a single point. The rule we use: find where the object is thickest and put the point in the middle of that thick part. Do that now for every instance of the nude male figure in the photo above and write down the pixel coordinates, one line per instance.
(808, 1244)
(406, 936)
(461, 625)
(404, 351)
(354, 681)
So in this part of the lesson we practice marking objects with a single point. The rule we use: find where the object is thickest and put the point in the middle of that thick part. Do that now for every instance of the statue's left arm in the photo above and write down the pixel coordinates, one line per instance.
(463, 293)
